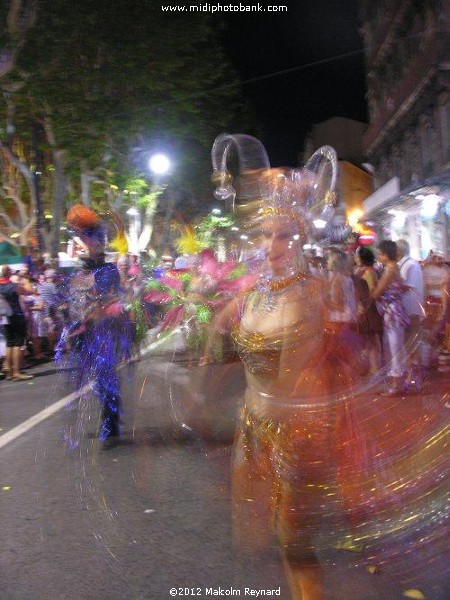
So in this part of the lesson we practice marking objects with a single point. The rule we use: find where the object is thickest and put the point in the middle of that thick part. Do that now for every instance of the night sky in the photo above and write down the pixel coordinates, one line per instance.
(288, 104)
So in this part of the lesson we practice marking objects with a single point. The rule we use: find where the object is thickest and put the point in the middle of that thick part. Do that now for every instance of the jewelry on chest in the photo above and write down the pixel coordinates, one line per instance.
(270, 292)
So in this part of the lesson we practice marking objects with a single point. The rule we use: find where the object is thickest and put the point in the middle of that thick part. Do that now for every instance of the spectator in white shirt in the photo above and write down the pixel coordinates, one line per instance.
(413, 300)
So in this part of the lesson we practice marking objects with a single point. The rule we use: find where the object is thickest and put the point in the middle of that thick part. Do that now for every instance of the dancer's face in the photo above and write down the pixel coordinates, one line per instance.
(281, 243)
(92, 245)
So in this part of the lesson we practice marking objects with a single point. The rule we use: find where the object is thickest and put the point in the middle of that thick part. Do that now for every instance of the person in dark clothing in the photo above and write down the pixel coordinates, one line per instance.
(16, 327)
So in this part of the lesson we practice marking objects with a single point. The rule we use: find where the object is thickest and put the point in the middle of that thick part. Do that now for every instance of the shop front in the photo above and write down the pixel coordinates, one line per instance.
(420, 214)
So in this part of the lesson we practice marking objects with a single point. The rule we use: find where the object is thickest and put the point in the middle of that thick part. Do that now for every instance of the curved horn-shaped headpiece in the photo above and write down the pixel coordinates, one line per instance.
(309, 191)
(253, 161)
(323, 165)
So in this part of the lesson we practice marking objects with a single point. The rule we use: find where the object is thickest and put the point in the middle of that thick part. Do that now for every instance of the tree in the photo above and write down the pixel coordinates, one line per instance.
(110, 82)
(17, 214)
(18, 17)
(18, 202)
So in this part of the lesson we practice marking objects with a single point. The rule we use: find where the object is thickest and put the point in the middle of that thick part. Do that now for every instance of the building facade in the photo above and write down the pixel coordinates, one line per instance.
(345, 135)
(407, 143)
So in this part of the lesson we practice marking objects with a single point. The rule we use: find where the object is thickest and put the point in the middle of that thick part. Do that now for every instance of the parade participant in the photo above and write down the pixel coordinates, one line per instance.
(134, 269)
(282, 446)
(388, 293)
(96, 334)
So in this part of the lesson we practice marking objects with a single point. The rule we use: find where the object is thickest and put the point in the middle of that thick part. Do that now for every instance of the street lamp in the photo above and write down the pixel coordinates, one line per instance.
(159, 164)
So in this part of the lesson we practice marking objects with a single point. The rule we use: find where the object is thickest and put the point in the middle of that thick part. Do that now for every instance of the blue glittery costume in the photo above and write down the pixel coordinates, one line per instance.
(98, 337)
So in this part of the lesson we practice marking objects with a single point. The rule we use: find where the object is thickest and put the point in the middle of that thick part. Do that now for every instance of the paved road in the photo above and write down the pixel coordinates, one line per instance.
(153, 513)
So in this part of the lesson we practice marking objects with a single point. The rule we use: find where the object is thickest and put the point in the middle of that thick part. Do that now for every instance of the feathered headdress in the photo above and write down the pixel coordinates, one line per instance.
(84, 220)
(189, 242)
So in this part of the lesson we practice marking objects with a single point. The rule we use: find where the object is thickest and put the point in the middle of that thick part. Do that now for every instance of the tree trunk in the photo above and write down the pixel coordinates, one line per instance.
(147, 230)
(27, 214)
(59, 187)
(59, 200)
(86, 180)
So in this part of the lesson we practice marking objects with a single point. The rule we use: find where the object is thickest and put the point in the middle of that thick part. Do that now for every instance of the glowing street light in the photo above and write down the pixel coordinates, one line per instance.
(159, 164)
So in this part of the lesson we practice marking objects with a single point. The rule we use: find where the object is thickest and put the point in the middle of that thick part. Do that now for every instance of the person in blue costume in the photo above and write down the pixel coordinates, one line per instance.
(96, 337)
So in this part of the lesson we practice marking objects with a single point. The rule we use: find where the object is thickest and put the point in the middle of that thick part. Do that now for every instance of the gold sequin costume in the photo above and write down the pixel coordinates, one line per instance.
(283, 469)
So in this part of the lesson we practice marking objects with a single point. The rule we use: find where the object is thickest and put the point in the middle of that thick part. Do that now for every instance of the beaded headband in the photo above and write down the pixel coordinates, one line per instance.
(286, 213)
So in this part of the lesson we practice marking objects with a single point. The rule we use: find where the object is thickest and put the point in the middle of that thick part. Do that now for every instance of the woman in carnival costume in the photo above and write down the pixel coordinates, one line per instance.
(281, 467)
(97, 337)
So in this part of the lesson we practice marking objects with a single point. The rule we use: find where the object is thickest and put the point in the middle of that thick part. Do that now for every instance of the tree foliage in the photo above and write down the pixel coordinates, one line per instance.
(111, 82)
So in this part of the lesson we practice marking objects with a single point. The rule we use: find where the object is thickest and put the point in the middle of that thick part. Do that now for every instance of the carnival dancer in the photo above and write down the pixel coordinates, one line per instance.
(281, 467)
(97, 332)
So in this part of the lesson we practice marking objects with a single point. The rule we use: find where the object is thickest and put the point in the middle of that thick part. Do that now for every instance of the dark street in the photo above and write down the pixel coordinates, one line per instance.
(153, 513)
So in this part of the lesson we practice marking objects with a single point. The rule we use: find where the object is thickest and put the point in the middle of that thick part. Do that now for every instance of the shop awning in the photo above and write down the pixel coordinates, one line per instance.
(9, 253)
(389, 196)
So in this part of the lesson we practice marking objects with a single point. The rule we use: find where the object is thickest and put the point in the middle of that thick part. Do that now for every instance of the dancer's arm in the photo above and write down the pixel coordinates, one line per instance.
(221, 325)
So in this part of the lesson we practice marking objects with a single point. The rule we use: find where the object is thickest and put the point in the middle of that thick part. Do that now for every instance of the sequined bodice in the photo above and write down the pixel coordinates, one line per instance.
(81, 288)
(261, 350)
(259, 353)
(99, 285)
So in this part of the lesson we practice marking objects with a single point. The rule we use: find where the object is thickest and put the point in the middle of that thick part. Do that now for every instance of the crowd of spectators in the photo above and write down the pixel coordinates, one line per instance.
(398, 307)
(383, 304)
(36, 305)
